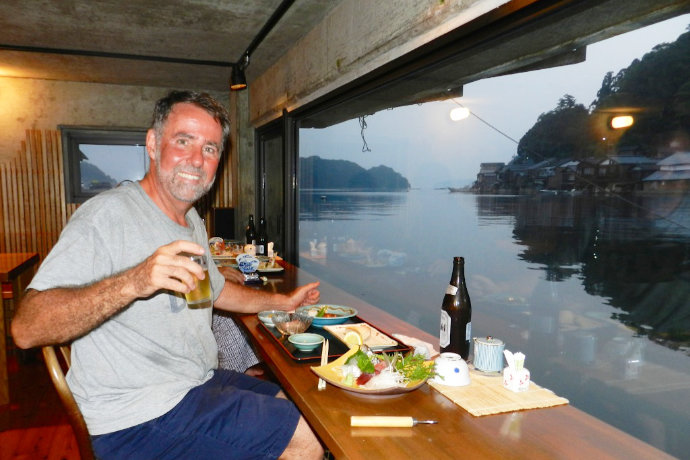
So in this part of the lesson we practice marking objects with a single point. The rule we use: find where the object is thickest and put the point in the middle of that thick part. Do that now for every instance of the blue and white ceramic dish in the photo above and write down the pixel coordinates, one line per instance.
(266, 317)
(306, 341)
(247, 263)
(336, 314)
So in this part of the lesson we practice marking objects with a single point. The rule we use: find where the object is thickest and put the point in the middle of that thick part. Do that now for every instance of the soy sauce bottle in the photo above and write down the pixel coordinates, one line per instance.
(250, 231)
(261, 239)
(456, 313)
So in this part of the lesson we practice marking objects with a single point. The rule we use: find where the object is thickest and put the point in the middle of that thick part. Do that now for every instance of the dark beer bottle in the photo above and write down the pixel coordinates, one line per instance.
(261, 239)
(456, 313)
(250, 231)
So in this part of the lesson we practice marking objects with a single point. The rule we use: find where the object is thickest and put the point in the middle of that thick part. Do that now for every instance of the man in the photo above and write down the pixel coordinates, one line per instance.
(142, 362)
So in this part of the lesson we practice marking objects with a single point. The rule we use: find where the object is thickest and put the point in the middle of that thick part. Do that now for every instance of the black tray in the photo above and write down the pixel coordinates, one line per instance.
(336, 347)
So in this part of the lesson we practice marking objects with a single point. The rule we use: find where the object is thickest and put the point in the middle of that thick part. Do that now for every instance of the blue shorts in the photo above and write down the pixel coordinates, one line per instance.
(230, 416)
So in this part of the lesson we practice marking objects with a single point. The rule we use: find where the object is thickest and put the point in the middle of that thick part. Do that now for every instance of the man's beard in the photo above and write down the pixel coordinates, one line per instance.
(184, 191)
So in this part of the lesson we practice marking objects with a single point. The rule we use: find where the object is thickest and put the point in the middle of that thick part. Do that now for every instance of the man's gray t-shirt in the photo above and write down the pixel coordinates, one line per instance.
(142, 361)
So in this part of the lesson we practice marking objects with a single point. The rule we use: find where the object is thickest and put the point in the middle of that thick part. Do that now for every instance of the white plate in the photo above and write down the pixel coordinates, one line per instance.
(372, 337)
(270, 270)
(223, 257)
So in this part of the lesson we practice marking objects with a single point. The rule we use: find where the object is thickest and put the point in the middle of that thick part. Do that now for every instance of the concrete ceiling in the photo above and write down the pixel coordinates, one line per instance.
(198, 30)
(511, 39)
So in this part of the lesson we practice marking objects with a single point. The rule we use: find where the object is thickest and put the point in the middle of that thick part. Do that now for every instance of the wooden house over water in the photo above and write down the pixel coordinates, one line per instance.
(488, 176)
(673, 174)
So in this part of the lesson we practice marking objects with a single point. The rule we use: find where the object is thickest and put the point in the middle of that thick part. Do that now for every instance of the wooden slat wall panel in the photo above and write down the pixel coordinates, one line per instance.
(219, 196)
(33, 210)
(33, 195)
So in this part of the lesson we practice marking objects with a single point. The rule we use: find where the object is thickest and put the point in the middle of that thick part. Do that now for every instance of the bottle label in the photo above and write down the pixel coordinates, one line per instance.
(468, 331)
(452, 290)
(444, 337)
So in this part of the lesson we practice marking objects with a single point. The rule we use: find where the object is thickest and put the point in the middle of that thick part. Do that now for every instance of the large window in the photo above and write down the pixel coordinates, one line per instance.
(97, 159)
(576, 234)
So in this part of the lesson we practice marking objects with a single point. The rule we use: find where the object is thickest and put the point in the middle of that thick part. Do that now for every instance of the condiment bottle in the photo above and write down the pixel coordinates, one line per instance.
(262, 239)
(250, 232)
(456, 313)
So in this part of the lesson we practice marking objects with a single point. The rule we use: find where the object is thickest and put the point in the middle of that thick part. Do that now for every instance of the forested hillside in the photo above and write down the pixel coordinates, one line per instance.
(317, 173)
(654, 89)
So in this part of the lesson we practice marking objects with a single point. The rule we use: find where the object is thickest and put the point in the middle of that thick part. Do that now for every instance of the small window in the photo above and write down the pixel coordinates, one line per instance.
(97, 159)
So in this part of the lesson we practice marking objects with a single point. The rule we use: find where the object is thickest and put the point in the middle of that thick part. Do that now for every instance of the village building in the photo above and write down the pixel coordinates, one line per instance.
(673, 174)
(488, 176)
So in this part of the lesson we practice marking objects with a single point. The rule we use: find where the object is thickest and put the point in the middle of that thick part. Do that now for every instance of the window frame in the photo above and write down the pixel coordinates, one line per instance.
(73, 136)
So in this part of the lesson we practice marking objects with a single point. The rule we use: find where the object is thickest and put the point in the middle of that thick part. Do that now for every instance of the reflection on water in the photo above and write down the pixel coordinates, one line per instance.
(333, 204)
(594, 290)
(637, 260)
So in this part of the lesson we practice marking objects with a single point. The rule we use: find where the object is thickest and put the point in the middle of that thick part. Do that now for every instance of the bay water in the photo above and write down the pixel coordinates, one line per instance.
(595, 290)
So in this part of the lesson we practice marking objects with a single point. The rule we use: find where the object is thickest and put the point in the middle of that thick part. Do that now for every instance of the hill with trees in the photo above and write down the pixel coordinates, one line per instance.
(654, 89)
(319, 173)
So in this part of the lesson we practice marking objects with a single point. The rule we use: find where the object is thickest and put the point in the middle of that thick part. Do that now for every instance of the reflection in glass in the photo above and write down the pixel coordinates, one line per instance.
(104, 166)
(590, 279)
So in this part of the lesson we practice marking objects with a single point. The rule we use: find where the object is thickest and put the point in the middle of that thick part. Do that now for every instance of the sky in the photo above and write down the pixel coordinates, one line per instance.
(451, 151)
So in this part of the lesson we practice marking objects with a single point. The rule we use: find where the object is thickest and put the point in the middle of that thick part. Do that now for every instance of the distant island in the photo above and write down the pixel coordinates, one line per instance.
(319, 173)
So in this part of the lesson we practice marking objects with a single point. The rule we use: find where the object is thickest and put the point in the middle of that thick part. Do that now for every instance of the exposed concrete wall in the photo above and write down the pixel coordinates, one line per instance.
(243, 161)
(45, 104)
(357, 37)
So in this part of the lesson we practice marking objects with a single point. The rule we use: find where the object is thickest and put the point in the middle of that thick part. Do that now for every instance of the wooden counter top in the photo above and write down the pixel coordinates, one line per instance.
(558, 432)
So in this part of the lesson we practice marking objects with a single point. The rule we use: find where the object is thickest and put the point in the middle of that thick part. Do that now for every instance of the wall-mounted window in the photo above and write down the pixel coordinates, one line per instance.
(588, 276)
(97, 159)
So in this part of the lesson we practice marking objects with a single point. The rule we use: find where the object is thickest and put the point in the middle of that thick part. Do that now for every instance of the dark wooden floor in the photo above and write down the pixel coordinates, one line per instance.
(33, 425)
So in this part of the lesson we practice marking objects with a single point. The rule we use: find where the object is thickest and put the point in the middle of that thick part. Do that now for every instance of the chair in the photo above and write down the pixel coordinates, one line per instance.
(8, 307)
(57, 370)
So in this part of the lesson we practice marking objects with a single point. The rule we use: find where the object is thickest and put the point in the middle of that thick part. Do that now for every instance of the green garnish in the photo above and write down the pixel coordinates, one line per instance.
(414, 367)
(362, 361)
(322, 312)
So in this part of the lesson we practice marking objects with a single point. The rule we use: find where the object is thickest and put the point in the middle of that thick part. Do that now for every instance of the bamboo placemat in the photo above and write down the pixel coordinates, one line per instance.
(485, 395)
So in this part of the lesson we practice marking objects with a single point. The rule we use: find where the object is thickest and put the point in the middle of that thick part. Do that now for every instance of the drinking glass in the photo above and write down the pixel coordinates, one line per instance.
(200, 296)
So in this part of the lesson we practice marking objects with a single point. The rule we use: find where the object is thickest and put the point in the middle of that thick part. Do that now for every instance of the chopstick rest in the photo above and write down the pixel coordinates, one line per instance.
(386, 421)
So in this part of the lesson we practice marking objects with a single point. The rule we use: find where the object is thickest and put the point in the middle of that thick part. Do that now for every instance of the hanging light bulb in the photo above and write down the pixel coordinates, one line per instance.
(459, 113)
(237, 79)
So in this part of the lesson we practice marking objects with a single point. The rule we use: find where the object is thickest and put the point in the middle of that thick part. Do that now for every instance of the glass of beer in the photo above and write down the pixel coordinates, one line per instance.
(201, 296)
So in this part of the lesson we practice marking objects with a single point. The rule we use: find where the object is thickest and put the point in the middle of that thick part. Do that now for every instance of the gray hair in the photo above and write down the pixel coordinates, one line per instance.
(203, 100)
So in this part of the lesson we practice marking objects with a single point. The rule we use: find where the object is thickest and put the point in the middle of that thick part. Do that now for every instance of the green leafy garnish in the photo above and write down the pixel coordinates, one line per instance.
(322, 312)
(413, 367)
(362, 361)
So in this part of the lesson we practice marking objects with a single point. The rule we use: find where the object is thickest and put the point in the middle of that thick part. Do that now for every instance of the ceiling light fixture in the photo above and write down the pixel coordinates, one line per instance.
(238, 80)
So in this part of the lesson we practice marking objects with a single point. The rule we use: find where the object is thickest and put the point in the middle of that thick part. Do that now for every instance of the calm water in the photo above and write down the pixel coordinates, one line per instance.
(594, 290)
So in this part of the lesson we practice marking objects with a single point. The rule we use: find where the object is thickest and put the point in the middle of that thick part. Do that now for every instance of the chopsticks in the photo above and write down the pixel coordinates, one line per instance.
(324, 361)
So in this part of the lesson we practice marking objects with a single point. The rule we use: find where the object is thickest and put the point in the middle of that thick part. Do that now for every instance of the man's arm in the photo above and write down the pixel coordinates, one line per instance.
(62, 314)
(242, 299)
(231, 274)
